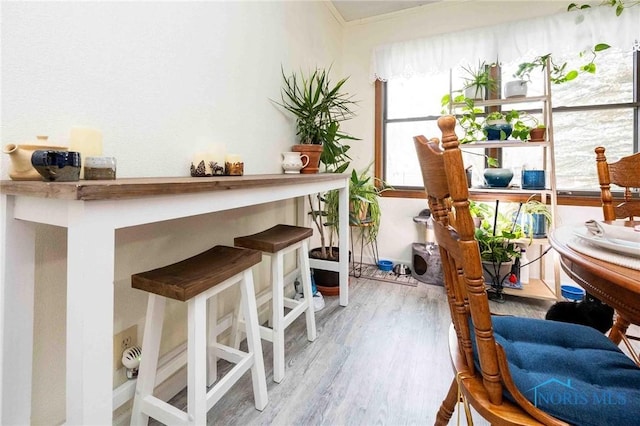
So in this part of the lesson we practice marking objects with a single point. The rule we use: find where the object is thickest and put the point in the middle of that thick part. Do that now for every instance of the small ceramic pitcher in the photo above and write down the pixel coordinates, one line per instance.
(293, 162)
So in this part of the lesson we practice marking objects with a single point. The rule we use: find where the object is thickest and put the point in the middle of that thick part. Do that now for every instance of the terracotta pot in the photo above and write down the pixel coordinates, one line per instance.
(313, 152)
(537, 134)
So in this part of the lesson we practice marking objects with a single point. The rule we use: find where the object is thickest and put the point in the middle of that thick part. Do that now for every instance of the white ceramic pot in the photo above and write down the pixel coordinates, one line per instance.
(474, 92)
(515, 89)
(489, 271)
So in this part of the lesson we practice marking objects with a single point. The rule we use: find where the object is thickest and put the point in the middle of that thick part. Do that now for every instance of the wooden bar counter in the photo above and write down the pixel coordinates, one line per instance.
(97, 209)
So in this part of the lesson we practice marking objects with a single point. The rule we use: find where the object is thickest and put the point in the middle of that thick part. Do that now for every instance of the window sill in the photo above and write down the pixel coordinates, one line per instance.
(586, 200)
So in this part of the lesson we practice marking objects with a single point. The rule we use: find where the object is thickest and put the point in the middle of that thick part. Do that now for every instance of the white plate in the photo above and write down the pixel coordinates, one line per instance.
(620, 246)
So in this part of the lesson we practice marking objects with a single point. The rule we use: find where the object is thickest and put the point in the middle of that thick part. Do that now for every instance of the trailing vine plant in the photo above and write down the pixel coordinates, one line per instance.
(559, 72)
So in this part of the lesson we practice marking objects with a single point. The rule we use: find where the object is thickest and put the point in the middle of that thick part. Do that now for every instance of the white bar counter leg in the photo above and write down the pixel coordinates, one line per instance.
(90, 275)
(343, 212)
(303, 261)
(16, 315)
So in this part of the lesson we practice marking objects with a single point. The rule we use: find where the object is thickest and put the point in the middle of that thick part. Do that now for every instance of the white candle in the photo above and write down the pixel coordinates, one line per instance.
(233, 158)
(205, 157)
(86, 141)
(218, 155)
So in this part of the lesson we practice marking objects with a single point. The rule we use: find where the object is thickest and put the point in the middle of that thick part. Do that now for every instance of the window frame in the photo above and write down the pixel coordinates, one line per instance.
(565, 197)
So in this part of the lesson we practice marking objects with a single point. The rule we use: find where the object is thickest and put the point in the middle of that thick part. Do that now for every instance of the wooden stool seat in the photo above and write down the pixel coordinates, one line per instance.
(196, 280)
(274, 239)
(275, 242)
(190, 277)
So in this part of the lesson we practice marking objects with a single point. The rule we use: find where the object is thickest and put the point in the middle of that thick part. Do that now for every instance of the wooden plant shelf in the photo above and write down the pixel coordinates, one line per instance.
(535, 289)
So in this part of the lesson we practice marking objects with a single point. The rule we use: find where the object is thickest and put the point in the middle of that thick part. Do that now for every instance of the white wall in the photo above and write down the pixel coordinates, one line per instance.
(162, 80)
(398, 230)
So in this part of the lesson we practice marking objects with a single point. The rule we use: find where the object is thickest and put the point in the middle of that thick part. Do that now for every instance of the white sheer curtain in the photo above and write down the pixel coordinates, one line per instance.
(566, 33)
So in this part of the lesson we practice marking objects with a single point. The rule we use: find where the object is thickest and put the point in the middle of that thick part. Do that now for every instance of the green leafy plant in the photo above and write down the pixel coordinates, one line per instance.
(317, 105)
(559, 73)
(364, 193)
(497, 247)
(619, 5)
(526, 210)
(478, 78)
(480, 210)
(466, 114)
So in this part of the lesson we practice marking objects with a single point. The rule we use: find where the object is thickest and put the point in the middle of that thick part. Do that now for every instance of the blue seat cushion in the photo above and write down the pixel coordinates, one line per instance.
(570, 371)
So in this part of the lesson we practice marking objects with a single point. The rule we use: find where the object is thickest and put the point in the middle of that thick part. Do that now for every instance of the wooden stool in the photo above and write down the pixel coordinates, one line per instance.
(276, 242)
(195, 280)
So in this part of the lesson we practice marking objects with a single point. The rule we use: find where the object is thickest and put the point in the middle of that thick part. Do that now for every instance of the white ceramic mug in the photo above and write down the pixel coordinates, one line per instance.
(293, 162)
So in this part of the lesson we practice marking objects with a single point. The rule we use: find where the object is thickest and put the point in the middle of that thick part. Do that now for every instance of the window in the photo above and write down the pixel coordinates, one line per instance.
(601, 109)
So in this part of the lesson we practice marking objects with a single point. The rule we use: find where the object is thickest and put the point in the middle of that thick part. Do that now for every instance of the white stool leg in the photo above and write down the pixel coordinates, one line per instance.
(236, 331)
(303, 261)
(250, 313)
(212, 359)
(197, 360)
(149, 362)
(277, 288)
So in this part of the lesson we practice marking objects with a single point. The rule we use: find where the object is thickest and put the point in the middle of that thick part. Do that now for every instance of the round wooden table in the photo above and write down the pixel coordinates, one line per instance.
(618, 286)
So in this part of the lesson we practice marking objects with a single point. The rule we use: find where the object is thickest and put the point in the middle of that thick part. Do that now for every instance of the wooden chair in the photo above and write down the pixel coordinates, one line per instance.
(511, 369)
(624, 173)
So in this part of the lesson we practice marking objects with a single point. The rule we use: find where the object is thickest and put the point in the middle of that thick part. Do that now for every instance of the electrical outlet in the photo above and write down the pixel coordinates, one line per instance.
(122, 341)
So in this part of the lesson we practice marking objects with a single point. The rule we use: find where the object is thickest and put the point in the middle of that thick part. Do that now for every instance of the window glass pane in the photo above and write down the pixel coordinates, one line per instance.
(612, 82)
(419, 96)
(401, 163)
(578, 133)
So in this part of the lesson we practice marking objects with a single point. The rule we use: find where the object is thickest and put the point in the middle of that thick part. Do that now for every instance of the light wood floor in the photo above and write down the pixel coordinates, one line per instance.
(382, 360)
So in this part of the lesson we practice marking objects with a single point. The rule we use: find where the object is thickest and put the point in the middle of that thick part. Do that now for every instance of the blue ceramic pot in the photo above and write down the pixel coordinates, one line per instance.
(498, 178)
(57, 166)
(498, 131)
(533, 179)
(539, 225)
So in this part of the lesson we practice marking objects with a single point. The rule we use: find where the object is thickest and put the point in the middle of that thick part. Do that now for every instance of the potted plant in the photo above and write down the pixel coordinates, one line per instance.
(466, 114)
(364, 213)
(537, 133)
(477, 81)
(479, 212)
(515, 124)
(536, 218)
(364, 208)
(318, 107)
(498, 250)
(497, 125)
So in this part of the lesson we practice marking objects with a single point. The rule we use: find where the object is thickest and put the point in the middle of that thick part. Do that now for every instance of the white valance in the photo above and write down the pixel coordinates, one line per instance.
(561, 34)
